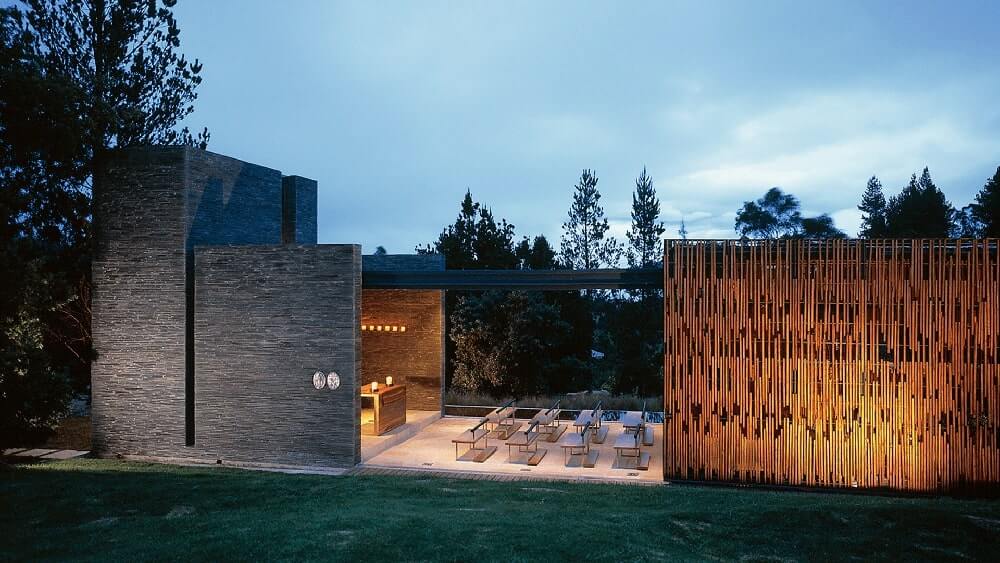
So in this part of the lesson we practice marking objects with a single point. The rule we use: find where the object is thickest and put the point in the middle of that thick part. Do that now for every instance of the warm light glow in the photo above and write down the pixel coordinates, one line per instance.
(383, 328)
(374, 386)
(388, 380)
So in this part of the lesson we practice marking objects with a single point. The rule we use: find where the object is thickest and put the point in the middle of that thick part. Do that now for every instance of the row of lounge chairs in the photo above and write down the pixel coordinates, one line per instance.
(545, 426)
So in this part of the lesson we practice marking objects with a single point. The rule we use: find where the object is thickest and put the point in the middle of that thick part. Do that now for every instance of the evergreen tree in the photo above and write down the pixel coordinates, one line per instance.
(584, 242)
(966, 223)
(494, 242)
(873, 209)
(920, 210)
(645, 248)
(503, 342)
(475, 240)
(77, 79)
(536, 255)
(986, 209)
(682, 231)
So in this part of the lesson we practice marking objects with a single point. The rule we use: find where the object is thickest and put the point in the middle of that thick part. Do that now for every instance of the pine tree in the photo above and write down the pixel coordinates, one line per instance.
(644, 236)
(475, 240)
(584, 243)
(77, 79)
(873, 207)
(920, 210)
(536, 255)
(986, 209)
(682, 232)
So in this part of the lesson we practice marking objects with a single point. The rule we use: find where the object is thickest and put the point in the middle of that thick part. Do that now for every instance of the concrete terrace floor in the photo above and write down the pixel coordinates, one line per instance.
(431, 449)
(372, 445)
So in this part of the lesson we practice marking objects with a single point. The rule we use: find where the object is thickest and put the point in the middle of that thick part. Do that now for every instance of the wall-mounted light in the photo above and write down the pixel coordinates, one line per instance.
(332, 380)
(319, 380)
(383, 328)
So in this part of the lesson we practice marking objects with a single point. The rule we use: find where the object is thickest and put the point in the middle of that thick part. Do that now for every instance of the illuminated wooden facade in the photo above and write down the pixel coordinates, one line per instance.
(871, 363)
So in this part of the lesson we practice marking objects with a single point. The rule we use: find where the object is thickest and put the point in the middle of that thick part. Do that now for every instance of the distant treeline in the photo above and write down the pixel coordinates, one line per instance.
(513, 343)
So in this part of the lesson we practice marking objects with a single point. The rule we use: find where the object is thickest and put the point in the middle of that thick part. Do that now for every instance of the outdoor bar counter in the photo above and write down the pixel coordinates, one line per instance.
(389, 406)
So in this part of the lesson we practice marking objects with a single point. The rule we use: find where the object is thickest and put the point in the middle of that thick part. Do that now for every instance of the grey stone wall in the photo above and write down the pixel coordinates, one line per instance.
(415, 357)
(299, 199)
(139, 305)
(266, 318)
(153, 206)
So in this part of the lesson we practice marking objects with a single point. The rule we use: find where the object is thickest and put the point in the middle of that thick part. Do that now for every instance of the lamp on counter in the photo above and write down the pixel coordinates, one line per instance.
(374, 386)
(388, 381)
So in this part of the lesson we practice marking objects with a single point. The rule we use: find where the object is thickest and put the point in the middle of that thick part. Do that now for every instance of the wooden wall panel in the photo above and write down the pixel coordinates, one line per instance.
(865, 363)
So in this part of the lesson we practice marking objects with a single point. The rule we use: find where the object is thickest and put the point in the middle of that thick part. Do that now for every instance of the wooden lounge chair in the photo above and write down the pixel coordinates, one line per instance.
(526, 442)
(549, 426)
(472, 438)
(593, 417)
(628, 445)
(578, 444)
(631, 421)
(501, 421)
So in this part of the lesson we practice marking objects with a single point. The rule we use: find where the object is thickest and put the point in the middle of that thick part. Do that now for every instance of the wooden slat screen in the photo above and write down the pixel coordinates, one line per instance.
(867, 363)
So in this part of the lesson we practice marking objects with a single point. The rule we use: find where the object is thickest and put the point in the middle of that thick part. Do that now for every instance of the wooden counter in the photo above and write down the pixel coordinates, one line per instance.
(389, 404)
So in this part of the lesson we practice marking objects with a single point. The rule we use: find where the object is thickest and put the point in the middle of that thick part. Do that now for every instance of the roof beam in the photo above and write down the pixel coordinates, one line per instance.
(537, 280)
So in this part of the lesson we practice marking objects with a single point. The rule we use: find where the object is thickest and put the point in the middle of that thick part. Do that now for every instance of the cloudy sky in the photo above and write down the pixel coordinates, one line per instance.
(396, 109)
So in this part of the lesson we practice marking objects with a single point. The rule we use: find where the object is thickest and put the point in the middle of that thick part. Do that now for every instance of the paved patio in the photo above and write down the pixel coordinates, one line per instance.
(431, 449)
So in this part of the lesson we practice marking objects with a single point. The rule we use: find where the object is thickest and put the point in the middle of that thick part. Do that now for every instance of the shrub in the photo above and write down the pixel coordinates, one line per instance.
(34, 396)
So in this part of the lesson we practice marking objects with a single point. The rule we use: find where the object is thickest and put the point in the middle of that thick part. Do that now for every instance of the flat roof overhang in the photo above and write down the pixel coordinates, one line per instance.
(537, 280)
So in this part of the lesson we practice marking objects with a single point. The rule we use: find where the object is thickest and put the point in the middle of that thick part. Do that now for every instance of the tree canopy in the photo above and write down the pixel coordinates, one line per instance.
(873, 209)
(986, 209)
(920, 210)
(777, 215)
(585, 243)
(645, 246)
(77, 79)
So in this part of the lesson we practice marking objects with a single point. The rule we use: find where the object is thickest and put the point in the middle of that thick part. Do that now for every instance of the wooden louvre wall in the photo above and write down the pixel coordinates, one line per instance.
(847, 363)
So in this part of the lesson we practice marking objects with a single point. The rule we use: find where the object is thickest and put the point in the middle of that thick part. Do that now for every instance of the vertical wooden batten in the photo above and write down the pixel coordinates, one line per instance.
(835, 363)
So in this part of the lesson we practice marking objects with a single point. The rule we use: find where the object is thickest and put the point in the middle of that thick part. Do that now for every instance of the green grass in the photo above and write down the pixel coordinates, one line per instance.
(101, 509)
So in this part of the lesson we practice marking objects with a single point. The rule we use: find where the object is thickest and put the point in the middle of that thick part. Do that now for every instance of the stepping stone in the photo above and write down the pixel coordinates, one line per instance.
(34, 453)
(65, 454)
(12, 451)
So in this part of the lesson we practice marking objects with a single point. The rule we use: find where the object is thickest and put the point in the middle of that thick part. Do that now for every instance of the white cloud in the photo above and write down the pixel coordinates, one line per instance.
(823, 147)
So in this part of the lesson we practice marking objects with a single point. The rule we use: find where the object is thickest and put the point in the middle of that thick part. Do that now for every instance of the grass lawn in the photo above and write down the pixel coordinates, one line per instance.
(87, 509)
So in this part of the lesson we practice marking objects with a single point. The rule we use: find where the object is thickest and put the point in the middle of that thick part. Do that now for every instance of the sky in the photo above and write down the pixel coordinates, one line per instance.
(397, 108)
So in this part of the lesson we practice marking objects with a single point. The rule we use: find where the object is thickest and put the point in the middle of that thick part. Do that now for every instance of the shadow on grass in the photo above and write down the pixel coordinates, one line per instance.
(125, 510)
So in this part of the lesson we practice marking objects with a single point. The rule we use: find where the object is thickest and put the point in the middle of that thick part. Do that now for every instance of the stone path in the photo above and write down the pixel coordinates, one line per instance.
(40, 453)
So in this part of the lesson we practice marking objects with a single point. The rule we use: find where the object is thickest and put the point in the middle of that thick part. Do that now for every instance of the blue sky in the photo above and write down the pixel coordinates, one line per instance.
(397, 108)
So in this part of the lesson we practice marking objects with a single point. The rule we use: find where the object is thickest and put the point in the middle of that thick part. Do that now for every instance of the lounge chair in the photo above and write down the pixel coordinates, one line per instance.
(549, 426)
(578, 443)
(502, 421)
(527, 442)
(593, 417)
(631, 421)
(472, 437)
(628, 445)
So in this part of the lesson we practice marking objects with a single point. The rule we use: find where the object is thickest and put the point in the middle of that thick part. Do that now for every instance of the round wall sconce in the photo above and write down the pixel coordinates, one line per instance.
(319, 380)
(332, 380)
